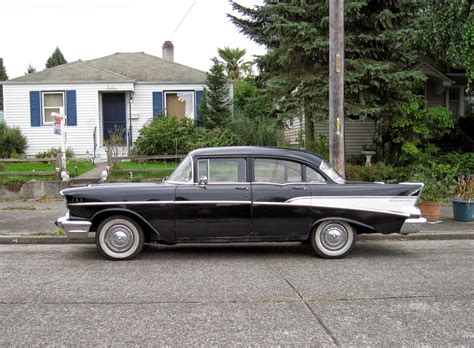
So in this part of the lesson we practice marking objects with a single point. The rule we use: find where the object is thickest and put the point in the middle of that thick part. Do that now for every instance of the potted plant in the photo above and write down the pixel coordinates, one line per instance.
(434, 192)
(463, 202)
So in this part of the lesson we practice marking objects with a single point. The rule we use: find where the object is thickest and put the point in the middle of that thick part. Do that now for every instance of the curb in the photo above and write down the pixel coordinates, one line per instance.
(465, 235)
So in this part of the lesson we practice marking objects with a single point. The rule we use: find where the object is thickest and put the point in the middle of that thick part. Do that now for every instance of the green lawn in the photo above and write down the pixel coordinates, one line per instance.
(28, 167)
(145, 170)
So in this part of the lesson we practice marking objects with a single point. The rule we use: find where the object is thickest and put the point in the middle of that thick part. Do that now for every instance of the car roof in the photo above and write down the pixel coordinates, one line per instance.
(258, 151)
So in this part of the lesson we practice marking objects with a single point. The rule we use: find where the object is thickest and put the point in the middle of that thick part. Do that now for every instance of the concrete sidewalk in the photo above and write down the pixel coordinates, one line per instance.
(32, 222)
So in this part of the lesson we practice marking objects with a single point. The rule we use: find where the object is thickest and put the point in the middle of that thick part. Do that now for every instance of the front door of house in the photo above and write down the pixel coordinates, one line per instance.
(114, 115)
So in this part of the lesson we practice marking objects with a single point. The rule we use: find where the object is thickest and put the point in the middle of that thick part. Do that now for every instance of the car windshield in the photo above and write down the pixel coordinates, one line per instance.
(184, 172)
(331, 172)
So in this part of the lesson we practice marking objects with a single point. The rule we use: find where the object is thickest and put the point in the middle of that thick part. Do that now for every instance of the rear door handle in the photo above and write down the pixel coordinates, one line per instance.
(299, 187)
(242, 188)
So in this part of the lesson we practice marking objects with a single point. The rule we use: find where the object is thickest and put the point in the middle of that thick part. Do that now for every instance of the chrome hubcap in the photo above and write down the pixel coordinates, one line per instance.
(119, 238)
(334, 236)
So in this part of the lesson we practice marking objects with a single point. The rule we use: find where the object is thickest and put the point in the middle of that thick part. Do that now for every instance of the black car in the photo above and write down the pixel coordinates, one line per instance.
(241, 194)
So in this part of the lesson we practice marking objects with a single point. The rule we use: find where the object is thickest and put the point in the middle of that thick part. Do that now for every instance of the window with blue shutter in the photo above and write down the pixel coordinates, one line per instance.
(71, 108)
(35, 108)
(158, 104)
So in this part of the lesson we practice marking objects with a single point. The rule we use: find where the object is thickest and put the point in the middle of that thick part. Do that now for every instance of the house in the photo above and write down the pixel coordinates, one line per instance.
(442, 88)
(119, 91)
(1, 116)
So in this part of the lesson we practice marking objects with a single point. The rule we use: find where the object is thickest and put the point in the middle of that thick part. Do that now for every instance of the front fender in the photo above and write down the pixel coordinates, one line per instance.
(98, 217)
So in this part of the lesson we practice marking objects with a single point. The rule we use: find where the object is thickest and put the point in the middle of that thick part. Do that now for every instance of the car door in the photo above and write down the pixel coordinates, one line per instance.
(218, 206)
(281, 199)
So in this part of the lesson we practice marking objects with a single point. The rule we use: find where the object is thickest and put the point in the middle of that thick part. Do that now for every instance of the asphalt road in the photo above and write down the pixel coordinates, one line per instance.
(385, 293)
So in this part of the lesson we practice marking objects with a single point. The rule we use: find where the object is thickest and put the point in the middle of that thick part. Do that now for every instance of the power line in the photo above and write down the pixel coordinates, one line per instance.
(182, 20)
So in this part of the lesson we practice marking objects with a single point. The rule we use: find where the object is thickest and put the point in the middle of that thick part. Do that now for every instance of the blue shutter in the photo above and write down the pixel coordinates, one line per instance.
(198, 106)
(71, 108)
(35, 109)
(157, 104)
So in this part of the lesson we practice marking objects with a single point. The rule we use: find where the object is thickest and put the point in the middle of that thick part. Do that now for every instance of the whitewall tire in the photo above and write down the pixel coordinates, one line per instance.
(333, 239)
(119, 238)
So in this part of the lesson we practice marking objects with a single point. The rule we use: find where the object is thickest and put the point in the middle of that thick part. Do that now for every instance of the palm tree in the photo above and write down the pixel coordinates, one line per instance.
(233, 59)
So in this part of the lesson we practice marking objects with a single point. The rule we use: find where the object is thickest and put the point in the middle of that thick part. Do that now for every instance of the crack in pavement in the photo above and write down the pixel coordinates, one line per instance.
(313, 313)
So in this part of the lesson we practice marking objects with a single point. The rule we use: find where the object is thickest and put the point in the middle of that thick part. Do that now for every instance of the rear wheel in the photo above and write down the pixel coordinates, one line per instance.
(119, 238)
(333, 239)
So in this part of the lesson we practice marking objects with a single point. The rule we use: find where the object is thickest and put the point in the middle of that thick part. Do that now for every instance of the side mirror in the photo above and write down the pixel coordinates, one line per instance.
(202, 180)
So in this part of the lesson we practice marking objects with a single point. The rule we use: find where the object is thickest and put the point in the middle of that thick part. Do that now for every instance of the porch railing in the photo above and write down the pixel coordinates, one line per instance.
(467, 144)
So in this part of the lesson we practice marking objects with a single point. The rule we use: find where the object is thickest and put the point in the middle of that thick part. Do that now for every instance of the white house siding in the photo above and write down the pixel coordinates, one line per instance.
(142, 107)
(80, 137)
(294, 129)
(357, 134)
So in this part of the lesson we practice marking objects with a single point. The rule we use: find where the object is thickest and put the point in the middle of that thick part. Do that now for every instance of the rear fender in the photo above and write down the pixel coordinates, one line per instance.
(362, 227)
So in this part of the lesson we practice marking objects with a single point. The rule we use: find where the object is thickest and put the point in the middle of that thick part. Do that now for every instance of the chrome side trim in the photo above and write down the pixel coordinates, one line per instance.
(120, 203)
(74, 228)
(212, 202)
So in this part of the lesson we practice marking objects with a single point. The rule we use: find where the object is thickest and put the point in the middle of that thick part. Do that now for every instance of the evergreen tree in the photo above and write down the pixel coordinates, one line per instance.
(56, 59)
(379, 52)
(215, 104)
(30, 69)
(3, 77)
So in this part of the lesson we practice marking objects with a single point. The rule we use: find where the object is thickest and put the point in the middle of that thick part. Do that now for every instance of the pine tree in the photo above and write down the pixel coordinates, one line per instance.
(3, 77)
(30, 69)
(56, 59)
(378, 56)
(215, 104)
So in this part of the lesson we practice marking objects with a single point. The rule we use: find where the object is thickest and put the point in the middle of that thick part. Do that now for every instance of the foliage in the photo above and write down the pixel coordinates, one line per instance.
(412, 130)
(321, 147)
(56, 59)
(12, 141)
(53, 153)
(215, 104)
(169, 135)
(379, 53)
(463, 162)
(30, 69)
(437, 177)
(465, 187)
(233, 58)
(447, 32)
(259, 131)
(3, 77)
(375, 172)
(112, 144)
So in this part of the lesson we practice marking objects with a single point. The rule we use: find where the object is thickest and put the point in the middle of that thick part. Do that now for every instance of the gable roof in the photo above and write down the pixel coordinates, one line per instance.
(430, 70)
(118, 67)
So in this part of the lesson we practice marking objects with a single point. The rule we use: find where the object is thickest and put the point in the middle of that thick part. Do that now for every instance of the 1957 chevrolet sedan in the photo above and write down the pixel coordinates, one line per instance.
(241, 194)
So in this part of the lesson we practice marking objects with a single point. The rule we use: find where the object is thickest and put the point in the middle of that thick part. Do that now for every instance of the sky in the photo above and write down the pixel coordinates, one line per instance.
(87, 29)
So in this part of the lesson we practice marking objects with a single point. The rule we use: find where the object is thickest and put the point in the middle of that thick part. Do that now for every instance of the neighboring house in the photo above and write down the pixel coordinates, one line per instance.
(1, 116)
(123, 90)
(441, 89)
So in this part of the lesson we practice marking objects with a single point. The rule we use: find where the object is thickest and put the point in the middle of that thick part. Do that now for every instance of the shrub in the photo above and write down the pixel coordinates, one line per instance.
(53, 152)
(259, 131)
(12, 142)
(375, 172)
(169, 135)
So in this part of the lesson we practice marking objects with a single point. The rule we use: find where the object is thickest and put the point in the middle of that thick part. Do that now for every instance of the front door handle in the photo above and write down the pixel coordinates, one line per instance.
(242, 188)
(299, 187)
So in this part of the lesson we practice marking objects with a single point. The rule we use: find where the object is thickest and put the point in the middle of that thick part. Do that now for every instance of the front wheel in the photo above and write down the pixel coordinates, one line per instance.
(333, 239)
(119, 238)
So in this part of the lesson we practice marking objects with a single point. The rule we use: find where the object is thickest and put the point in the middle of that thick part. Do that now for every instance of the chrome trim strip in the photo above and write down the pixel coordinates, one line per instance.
(121, 203)
(212, 202)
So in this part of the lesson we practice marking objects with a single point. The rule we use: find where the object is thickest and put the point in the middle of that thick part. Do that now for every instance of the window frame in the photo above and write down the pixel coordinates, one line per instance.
(208, 159)
(192, 92)
(43, 107)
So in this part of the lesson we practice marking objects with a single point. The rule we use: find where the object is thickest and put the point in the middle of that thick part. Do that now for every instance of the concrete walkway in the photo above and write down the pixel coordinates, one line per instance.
(92, 176)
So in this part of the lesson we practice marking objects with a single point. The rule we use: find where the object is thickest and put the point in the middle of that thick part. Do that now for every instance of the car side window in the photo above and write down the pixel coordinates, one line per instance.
(313, 176)
(223, 169)
(277, 171)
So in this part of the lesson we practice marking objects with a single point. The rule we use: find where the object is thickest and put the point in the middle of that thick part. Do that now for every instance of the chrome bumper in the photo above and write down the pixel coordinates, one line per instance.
(74, 228)
(412, 225)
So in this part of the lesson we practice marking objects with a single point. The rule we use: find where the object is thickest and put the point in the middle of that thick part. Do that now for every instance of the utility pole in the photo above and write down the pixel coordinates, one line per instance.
(336, 85)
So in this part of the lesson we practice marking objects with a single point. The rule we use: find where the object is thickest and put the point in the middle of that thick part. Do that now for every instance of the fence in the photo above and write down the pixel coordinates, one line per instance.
(30, 160)
(467, 144)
